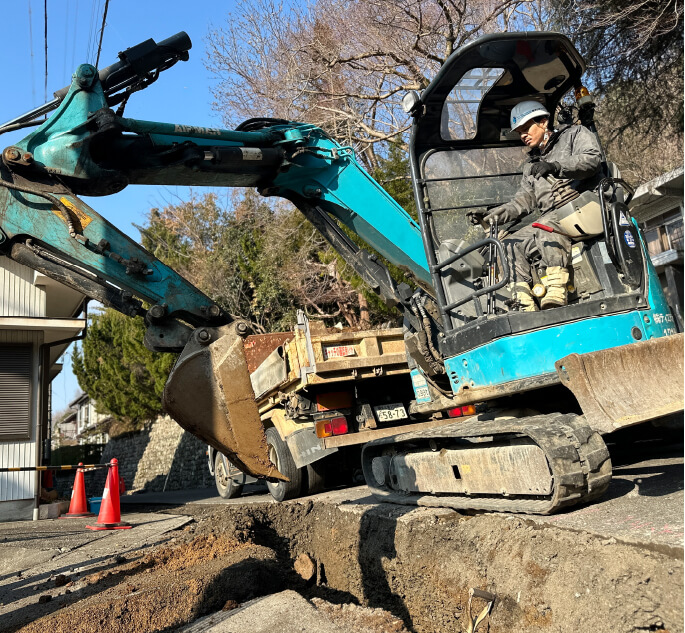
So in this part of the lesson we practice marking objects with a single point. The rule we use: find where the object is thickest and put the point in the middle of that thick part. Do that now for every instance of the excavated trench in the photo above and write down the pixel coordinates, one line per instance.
(370, 568)
(419, 565)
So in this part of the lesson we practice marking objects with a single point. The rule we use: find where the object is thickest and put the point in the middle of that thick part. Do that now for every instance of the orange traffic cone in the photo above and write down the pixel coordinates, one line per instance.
(110, 515)
(78, 507)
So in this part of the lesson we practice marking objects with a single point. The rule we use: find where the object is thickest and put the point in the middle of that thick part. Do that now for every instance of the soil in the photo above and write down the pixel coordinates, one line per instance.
(168, 587)
(392, 569)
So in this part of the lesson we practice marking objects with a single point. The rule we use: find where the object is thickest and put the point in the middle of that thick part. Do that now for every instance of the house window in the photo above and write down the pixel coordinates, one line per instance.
(665, 234)
(15, 392)
(674, 232)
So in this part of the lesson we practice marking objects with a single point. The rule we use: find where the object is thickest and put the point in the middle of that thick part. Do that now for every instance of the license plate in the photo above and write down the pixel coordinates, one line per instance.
(338, 351)
(390, 412)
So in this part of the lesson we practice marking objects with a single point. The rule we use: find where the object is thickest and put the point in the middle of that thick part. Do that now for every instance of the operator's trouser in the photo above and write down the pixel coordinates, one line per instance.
(524, 245)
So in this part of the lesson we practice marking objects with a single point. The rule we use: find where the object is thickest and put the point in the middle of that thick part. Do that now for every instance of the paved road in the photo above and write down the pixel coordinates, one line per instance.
(644, 504)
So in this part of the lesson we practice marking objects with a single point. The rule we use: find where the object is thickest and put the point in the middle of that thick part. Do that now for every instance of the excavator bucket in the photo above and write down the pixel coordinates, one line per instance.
(627, 385)
(210, 395)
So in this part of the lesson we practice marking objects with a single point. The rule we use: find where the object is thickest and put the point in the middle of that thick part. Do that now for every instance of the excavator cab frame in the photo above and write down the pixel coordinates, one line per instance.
(464, 156)
(465, 159)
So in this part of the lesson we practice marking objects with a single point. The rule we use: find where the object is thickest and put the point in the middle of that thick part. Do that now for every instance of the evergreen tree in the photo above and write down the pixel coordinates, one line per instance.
(115, 369)
(393, 175)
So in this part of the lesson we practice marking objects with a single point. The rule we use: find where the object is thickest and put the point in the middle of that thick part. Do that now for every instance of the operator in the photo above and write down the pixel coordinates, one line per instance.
(572, 154)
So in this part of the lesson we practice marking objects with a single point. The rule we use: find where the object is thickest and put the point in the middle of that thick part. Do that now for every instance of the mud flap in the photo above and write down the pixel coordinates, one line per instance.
(210, 395)
(626, 385)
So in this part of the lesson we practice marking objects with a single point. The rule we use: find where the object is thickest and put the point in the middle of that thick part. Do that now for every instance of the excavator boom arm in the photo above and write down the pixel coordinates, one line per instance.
(84, 148)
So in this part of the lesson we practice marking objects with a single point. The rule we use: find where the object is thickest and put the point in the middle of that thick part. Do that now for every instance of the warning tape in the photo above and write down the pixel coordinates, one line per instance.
(21, 469)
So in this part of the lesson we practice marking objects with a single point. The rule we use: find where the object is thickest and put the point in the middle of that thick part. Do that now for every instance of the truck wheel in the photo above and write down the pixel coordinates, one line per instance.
(316, 478)
(279, 453)
(228, 484)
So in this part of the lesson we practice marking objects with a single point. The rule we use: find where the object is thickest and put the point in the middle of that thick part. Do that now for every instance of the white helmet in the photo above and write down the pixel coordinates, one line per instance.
(525, 111)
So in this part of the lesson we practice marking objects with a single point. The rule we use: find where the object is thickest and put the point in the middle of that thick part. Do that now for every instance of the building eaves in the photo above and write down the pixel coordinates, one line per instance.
(81, 399)
(657, 196)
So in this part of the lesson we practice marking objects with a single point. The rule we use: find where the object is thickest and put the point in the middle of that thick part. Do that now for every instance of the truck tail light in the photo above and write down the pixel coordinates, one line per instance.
(336, 426)
(339, 425)
(324, 428)
(457, 412)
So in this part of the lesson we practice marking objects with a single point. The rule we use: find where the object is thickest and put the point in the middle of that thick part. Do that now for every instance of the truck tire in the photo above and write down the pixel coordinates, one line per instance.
(279, 453)
(229, 484)
(315, 480)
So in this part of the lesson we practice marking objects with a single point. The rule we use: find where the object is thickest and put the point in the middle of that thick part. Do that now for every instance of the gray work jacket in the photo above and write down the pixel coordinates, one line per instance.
(577, 151)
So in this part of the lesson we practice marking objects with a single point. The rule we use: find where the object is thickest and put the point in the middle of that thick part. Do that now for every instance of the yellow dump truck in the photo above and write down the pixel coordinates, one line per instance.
(322, 393)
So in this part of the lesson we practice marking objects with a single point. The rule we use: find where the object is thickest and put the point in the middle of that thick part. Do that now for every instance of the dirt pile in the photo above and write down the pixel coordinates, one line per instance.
(168, 587)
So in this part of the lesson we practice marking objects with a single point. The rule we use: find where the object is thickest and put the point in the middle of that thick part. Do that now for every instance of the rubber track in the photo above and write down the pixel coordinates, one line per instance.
(577, 456)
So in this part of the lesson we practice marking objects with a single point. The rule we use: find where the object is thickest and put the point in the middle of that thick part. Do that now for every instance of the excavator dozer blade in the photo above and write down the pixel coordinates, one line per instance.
(627, 385)
(210, 395)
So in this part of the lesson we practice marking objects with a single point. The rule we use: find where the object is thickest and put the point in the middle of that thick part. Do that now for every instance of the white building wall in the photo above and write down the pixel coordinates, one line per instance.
(15, 453)
(14, 486)
(19, 297)
(24, 306)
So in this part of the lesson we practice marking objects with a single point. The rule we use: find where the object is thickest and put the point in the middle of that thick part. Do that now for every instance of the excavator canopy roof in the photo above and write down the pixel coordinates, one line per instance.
(469, 101)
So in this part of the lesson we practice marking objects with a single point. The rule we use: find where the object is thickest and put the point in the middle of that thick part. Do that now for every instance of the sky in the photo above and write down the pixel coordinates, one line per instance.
(182, 94)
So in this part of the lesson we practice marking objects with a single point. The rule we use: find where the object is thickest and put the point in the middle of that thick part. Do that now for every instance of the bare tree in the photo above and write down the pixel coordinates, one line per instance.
(634, 50)
(343, 65)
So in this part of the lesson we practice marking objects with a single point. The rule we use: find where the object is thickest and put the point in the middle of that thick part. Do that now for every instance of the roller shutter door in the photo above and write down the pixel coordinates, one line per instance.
(15, 392)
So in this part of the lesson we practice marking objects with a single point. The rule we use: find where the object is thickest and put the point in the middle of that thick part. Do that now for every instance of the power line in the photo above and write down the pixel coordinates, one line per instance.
(33, 77)
(94, 31)
(66, 40)
(94, 11)
(45, 11)
(102, 32)
(75, 38)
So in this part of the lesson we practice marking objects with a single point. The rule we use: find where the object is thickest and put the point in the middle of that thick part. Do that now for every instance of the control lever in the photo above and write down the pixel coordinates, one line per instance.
(549, 229)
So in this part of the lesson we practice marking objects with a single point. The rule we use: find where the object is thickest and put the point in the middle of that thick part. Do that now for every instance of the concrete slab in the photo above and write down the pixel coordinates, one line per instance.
(644, 505)
(285, 612)
(53, 510)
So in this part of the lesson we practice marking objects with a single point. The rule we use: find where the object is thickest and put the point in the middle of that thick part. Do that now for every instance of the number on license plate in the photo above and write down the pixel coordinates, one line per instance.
(390, 412)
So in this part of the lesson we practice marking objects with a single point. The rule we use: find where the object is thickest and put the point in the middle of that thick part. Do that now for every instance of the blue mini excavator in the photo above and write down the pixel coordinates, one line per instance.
(548, 385)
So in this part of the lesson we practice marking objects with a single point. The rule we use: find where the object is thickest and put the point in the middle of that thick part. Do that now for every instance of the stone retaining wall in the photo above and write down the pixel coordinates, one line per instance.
(161, 457)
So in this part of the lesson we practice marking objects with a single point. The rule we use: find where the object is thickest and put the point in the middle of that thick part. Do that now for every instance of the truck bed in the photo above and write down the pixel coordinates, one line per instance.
(304, 358)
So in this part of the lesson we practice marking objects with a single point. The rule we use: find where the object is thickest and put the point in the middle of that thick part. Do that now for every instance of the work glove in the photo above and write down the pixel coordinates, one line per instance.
(542, 169)
(500, 215)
